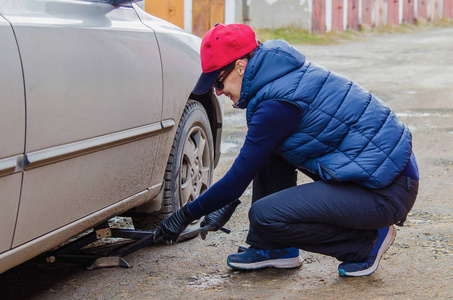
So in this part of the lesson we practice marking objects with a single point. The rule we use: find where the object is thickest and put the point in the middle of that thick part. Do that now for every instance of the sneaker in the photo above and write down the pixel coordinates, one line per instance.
(242, 249)
(254, 258)
(386, 236)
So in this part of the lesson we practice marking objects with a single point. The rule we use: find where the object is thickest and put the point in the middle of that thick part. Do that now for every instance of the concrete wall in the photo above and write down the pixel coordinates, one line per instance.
(273, 14)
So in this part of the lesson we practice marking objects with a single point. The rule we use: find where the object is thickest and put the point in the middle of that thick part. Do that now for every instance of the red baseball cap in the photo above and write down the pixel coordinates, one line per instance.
(220, 46)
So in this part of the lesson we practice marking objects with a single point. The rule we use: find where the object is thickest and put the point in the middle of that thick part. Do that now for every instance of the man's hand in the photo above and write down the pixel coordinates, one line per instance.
(215, 220)
(171, 227)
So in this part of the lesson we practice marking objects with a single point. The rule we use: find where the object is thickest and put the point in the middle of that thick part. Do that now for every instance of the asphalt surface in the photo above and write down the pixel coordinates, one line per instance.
(413, 73)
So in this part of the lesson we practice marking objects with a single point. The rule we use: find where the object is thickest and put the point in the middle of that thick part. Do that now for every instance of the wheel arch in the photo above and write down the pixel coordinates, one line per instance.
(214, 108)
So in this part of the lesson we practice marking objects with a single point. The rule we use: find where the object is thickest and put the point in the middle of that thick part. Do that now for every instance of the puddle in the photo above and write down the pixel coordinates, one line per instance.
(443, 112)
(235, 129)
(226, 147)
(235, 118)
(208, 282)
(410, 92)
(447, 129)
(440, 162)
(232, 142)
(232, 145)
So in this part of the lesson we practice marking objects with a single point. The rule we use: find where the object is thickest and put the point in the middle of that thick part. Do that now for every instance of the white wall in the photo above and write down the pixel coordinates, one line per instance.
(275, 13)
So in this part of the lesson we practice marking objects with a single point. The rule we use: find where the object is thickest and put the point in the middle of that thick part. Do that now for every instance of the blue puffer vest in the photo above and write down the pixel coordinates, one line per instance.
(345, 133)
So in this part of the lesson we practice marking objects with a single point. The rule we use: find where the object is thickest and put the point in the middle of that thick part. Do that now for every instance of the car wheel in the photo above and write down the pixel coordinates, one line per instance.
(189, 168)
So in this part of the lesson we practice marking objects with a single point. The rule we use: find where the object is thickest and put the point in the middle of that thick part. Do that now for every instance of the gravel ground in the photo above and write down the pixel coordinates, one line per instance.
(413, 73)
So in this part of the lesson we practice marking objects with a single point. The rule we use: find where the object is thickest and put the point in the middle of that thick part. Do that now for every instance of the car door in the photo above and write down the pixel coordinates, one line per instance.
(12, 132)
(93, 89)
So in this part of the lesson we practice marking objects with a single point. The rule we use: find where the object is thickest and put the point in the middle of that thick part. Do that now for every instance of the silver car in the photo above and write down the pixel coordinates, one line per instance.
(97, 119)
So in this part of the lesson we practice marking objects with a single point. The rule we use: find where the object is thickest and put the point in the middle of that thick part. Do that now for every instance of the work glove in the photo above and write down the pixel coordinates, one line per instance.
(170, 228)
(217, 219)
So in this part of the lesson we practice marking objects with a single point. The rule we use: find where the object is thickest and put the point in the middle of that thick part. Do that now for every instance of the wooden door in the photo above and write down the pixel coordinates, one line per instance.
(367, 9)
(408, 11)
(205, 14)
(379, 13)
(353, 14)
(392, 12)
(169, 10)
(422, 9)
(318, 19)
(434, 10)
(337, 15)
(448, 9)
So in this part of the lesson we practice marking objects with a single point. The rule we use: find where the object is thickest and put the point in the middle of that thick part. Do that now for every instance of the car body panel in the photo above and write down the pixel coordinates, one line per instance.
(12, 124)
(87, 183)
(68, 83)
(94, 95)
(177, 49)
(78, 88)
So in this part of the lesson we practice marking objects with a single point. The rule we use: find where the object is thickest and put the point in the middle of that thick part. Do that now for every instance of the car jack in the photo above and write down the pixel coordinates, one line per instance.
(109, 255)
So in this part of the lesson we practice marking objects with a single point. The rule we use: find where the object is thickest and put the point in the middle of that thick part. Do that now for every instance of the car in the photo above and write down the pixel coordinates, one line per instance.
(97, 120)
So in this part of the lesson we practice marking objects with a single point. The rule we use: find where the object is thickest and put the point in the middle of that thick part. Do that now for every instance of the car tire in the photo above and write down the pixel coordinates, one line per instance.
(189, 168)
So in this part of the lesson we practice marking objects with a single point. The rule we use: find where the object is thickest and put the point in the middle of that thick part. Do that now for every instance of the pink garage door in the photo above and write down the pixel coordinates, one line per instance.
(434, 13)
(337, 15)
(448, 9)
(318, 19)
(367, 8)
(408, 11)
(353, 14)
(392, 12)
(422, 9)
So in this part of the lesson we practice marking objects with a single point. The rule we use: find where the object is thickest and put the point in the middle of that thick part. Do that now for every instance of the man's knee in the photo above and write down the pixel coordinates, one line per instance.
(258, 216)
(263, 218)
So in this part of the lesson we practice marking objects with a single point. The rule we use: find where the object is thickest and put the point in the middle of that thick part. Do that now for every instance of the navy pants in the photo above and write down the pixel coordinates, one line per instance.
(339, 220)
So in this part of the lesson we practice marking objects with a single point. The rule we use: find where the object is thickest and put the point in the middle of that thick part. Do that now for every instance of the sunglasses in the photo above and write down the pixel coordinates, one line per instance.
(218, 84)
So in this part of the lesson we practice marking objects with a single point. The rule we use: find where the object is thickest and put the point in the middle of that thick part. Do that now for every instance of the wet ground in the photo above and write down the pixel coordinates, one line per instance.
(413, 73)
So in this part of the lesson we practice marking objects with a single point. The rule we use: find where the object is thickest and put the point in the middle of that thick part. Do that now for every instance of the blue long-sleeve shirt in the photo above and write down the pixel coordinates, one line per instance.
(272, 123)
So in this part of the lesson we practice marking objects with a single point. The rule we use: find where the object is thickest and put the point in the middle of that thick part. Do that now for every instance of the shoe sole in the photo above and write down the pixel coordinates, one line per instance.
(282, 263)
(388, 241)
